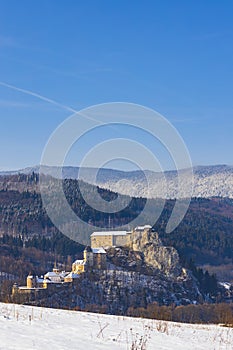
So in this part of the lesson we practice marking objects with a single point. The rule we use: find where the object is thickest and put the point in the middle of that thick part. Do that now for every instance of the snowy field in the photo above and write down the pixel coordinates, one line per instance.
(26, 327)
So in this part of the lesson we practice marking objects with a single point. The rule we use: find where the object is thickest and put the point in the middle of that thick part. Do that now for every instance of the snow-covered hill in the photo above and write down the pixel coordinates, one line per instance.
(27, 328)
(209, 181)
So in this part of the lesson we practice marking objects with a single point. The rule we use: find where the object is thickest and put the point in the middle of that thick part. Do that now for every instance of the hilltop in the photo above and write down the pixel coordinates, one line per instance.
(209, 181)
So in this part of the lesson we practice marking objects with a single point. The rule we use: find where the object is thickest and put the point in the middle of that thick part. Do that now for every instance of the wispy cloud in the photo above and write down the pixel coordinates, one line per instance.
(40, 97)
(46, 99)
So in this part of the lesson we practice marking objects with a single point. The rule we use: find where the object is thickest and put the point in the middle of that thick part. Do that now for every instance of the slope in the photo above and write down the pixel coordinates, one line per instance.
(26, 328)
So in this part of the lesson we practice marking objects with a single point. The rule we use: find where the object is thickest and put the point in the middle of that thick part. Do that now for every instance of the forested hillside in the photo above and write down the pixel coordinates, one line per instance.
(205, 234)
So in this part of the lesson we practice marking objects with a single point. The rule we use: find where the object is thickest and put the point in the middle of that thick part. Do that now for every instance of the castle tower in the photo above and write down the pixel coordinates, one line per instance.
(15, 288)
(31, 281)
(88, 256)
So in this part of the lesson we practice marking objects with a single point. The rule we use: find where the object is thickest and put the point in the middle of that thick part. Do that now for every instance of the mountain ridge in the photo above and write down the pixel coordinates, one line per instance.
(209, 181)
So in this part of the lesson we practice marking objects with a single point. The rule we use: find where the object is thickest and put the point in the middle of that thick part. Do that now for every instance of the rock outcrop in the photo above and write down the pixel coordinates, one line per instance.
(154, 253)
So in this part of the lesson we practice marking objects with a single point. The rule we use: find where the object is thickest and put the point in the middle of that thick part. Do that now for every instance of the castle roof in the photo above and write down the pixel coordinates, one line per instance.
(79, 262)
(51, 274)
(142, 228)
(110, 233)
(72, 275)
(98, 250)
(39, 279)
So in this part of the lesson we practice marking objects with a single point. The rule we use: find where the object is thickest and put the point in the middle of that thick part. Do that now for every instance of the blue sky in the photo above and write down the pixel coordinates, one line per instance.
(173, 56)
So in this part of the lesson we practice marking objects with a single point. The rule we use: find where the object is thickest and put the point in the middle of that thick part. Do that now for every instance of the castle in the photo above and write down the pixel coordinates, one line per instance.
(116, 238)
(94, 257)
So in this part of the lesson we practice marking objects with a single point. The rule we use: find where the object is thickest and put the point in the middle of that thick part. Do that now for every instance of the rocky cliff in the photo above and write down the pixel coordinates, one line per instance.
(154, 253)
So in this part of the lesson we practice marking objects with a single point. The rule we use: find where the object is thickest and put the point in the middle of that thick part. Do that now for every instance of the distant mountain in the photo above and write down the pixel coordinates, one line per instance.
(209, 181)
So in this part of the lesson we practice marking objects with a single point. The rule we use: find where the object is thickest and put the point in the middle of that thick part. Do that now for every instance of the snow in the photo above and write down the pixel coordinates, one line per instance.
(98, 250)
(79, 262)
(226, 285)
(51, 274)
(209, 181)
(107, 233)
(27, 327)
(142, 228)
(72, 275)
(6, 276)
